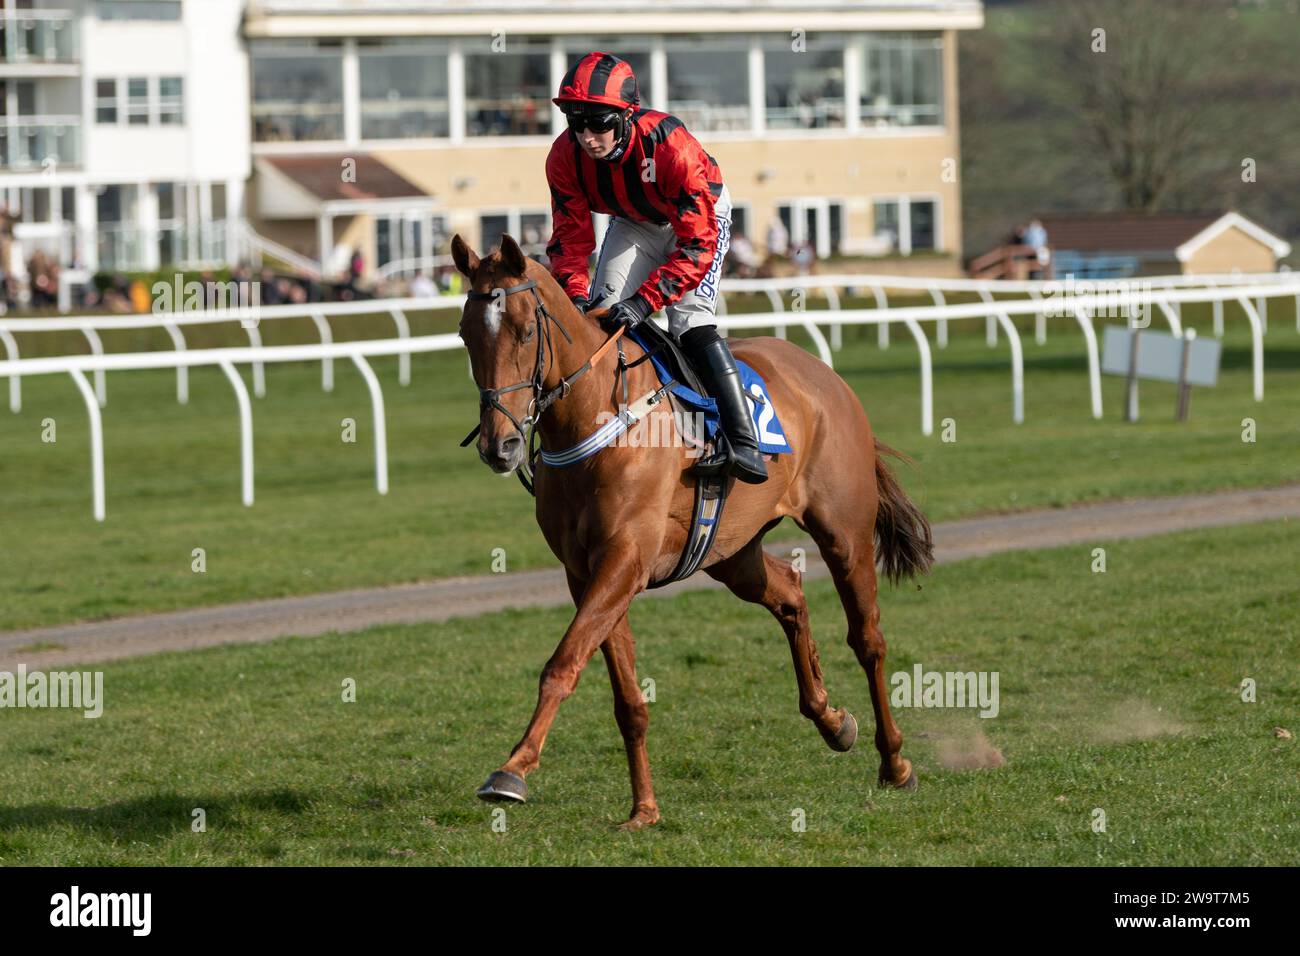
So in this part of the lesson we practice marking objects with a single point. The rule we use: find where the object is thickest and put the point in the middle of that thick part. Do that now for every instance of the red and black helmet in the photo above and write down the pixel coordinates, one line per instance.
(600, 78)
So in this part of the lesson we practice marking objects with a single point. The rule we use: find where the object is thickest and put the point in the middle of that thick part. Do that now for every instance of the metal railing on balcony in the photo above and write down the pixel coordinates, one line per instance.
(28, 142)
(38, 36)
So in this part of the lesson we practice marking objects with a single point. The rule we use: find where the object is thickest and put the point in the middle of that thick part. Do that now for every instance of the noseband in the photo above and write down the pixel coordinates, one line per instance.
(542, 399)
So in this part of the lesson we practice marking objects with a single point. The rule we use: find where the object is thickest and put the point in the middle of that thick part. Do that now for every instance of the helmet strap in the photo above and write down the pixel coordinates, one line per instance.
(624, 136)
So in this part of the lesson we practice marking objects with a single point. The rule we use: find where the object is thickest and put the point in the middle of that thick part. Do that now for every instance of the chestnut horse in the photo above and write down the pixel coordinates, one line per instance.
(618, 519)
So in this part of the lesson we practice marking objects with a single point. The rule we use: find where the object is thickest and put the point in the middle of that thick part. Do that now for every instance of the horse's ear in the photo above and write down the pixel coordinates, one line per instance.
(513, 256)
(466, 259)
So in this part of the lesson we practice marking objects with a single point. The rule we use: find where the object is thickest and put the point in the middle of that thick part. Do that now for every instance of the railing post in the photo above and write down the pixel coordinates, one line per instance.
(97, 348)
(927, 376)
(882, 330)
(403, 332)
(96, 443)
(1257, 345)
(182, 371)
(1094, 362)
(837, 329)
(245, 431)
(941, 325)
(1017, 369)
(326, 363)
(377, 409)
(15, 380)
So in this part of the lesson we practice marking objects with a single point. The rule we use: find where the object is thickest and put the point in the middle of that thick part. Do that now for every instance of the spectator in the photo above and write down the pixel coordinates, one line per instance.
(1036, 237)
(778, 239)
(43, 274)
(742, 260)
(804, 257)
(422, 287)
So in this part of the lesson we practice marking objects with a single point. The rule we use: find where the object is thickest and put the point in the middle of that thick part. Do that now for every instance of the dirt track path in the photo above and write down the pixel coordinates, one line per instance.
(468, 596)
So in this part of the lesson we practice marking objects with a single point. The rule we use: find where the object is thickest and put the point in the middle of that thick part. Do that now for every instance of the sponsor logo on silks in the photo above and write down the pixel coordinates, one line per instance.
(133, 910)
(708, 288)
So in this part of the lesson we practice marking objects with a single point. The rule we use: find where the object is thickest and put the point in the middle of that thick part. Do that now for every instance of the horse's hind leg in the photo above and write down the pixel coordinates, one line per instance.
(849, 552)
(754, 575)
(633, 717)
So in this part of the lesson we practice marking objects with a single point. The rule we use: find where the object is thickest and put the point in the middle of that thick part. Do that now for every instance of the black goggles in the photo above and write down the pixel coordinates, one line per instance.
(598, 122)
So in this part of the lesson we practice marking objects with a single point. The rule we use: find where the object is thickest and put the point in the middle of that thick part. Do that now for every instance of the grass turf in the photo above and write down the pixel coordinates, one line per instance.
(172, 471)
(1118, 692)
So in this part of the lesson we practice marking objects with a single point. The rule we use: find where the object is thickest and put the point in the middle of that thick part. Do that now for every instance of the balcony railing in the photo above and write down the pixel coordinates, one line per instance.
(38, 36)
(28, 142)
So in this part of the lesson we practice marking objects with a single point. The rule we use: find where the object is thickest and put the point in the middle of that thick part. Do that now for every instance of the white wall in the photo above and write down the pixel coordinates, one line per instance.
(204, 48)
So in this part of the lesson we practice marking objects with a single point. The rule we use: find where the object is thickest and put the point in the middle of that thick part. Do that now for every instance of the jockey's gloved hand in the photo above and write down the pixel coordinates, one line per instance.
(630, 312)
(581, 302)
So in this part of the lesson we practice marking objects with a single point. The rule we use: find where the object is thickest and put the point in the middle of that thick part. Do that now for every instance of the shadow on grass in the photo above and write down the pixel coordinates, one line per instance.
(154, 816)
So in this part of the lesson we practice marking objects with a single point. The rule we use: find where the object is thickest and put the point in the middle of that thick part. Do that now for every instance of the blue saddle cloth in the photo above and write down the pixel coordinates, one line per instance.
(767, 425)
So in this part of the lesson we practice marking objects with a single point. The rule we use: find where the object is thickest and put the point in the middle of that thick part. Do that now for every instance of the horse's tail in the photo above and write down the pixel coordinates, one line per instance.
(904, 545)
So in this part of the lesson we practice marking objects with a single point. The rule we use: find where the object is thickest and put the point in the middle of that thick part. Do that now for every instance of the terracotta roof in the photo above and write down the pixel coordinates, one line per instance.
(1123, 231)
(322, 177)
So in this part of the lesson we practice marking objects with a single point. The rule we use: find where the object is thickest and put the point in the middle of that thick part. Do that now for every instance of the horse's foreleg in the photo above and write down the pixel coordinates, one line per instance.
(633, 717)
(603, 605)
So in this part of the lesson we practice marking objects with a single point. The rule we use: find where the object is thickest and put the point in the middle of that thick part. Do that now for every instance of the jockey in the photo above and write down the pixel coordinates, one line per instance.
(664, 247)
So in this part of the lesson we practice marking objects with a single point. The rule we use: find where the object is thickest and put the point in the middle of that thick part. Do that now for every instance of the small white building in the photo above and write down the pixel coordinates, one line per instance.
(124, 142)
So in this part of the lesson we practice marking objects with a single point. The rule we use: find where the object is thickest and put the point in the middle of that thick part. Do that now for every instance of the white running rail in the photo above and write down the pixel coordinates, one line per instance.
(1082, 309)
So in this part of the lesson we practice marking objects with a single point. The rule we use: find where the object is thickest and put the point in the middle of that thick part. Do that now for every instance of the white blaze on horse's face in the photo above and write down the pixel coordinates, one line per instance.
(492, 314)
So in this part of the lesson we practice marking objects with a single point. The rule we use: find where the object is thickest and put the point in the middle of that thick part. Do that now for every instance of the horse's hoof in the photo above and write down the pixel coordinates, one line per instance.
(504, 787)
(911, 783)
(848, 734)
(639, 821)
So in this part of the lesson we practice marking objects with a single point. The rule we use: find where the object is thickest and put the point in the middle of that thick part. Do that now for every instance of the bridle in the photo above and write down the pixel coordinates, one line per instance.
(542, 399)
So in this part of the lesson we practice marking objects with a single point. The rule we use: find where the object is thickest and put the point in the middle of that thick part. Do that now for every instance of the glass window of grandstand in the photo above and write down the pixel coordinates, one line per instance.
(634, 49)
(508, 87)
(171, 222)
(403, 88)
(531, 229)
(818, 222)
(922, 218)
(803, 82)
(171, 100)
(137, 101)
(885, 223)
(901, 79)
(404, 237)
(740, 220)
(138, 9)
(119, 235)
(106, 101)
(708, 81)
(297, 90)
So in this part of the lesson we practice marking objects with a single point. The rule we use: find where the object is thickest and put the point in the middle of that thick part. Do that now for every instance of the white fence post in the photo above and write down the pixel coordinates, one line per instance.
(245, 431)
(327, 363)
(381, 433)
(96, 443)
(1094, 362)
(403, 359)
(15, 380)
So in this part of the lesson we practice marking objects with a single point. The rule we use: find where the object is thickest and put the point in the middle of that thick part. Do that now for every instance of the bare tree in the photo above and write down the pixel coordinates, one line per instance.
(1142, 74)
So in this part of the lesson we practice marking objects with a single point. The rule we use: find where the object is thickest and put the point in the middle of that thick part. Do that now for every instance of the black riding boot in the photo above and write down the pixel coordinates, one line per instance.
(737, 453)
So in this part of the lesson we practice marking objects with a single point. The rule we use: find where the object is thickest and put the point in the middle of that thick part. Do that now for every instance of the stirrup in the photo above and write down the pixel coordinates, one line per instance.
(717, 461)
